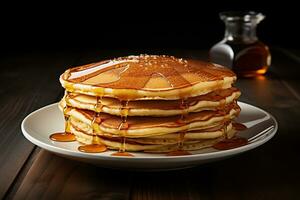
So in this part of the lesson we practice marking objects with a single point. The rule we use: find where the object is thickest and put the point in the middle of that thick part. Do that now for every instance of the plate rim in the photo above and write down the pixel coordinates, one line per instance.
(200, 156)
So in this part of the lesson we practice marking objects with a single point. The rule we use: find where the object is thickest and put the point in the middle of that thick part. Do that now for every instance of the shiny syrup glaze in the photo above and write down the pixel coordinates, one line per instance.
(63, 137)
(119, 153)
(180, 143)
(150, 72)
(230, 143)
(69, 137)
(123, 126)
(233, 142)
(184, 113)
(93, 148)
(98, 106)
(124, 113)
(169, 78)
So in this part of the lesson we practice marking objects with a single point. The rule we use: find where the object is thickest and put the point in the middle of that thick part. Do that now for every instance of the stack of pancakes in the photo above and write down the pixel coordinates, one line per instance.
(150, 103)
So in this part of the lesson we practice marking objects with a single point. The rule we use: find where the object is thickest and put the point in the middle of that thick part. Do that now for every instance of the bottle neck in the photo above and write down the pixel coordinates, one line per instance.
(238, 31)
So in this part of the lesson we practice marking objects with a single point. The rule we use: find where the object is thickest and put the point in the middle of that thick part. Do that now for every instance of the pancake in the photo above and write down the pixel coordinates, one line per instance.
(151, 126)
(158, 147)
(147, 77)
(192, 133)
(150, 103)
(172, 138)
(210, 101)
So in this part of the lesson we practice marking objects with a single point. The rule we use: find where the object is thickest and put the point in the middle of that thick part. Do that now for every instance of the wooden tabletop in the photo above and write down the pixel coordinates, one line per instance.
(30, 81)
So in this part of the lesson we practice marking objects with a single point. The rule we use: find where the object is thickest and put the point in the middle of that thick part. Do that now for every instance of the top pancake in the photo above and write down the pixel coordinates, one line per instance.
(147, 77)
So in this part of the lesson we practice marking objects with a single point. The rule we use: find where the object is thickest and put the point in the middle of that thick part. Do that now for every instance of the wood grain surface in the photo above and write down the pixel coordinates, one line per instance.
(271, 171)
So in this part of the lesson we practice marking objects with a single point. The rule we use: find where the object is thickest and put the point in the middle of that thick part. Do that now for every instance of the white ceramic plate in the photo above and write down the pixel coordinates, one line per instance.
(40, 124)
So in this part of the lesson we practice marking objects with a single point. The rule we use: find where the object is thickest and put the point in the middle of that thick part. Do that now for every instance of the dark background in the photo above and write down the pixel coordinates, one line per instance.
(138, 25)
(79, 34)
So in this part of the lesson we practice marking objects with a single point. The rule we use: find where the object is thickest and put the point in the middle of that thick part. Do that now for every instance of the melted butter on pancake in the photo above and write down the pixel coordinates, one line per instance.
(158, 81)
(109, 76)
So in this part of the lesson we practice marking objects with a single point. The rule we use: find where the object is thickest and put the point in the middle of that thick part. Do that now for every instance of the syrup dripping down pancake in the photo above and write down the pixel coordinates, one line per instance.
(172, 138)
(150, 103)
(151, 126)
(132, 145)
(210, 101)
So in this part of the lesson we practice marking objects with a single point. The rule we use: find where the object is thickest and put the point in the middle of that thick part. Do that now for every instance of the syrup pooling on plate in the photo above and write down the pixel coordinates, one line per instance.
(239, 126)
(92, 148)
(68, 137)
(119, 153)
(230, 143)
(65, 136)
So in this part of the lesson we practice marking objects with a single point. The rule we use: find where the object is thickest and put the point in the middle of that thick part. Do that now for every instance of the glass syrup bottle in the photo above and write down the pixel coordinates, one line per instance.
(240, 49)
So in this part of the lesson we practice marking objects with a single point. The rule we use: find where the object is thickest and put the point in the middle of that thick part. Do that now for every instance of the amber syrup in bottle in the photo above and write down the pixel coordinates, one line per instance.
(240, 49)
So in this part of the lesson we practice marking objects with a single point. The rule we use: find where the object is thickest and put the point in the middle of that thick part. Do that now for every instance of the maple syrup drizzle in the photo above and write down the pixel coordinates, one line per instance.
(98, 106)
(129, 66)
(65, 136)
(230, 143)
(123, 126)
(92, 148)
(181, 139)
(184, 107)
(123, 145)
(94, 124)
(180, 151)
(124, 113)
(225, 129)
(222, 104)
